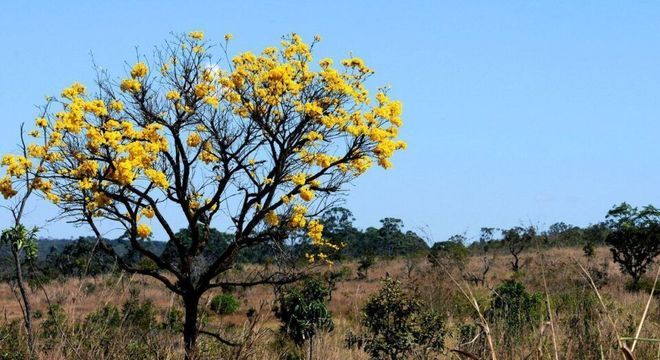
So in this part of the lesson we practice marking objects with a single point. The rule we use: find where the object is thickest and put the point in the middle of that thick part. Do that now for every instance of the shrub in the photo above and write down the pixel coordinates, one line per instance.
(514, 310)
(174, 320)
(396, 325)
(141, 315)
(303, 312)
(11, 344)
(589, 250)
(364, 264)
(224, 304)
(108, 315)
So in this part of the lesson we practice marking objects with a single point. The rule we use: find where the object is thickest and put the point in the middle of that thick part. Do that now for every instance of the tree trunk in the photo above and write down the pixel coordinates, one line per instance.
(27, 307)
(190, 331)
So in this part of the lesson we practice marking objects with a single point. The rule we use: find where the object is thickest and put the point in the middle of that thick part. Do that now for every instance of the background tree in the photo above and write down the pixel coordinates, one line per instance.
(79, 258)
(634, 238)
(516, 240)
(260, 144)
(450, 253)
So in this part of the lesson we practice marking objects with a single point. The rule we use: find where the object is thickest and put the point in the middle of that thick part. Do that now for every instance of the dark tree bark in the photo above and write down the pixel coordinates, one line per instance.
(190, 329)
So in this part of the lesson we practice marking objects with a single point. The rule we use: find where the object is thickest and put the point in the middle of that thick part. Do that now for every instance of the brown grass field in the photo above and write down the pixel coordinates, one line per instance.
(582, 329)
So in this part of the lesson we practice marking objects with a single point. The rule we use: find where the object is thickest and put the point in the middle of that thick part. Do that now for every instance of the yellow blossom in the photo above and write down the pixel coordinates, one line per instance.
(298, 219)
(272, 219)
(76, 89)
(306, 193)
(116, 105)
(315, 231)
(158, 178)
(173, 95)
(143, 230)
(139, 70)
(41, 122)
(130, 85)
(194, 139)
(197, 35)
(148, 212)
(6, 188)
(299, 179)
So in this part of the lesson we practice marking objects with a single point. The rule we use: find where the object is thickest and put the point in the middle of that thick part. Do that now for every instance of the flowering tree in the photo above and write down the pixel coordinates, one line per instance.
(260, 143)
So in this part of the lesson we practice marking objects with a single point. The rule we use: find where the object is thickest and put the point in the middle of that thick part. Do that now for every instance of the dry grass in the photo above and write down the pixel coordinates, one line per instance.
(558, 272)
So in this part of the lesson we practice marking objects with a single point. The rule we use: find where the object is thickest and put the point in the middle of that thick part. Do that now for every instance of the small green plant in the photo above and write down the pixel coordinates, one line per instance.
(140, 314)
(54, 325)
(108, 315)
(224, 304)
(398, 327)
(11, 344)
(514, 311)
(174, 320)
(364, 264)
(589, 250)
(303, 312)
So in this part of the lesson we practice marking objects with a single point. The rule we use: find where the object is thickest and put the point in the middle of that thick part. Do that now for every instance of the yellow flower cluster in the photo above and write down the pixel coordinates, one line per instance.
(130, 85)
(16, 165)
(197, 35)
(41, 122)
(194, 139)
(139, 70)
(6, 187)
(315, 231)
(76, 89)
(306, 193)
(272, 218)
(173, 95)
(298, 219)
(157, 177)
(148, 212)
(299, 179)
(143, 230)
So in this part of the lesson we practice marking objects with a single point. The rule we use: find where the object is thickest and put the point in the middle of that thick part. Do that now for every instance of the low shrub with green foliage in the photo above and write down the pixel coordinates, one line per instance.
(224, 304)
(303, 311)
(398, 326)
(139, 314)
(514, 311)
(12, 347)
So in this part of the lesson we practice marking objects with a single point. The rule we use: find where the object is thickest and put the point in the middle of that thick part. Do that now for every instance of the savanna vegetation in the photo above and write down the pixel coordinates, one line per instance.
(252, 155)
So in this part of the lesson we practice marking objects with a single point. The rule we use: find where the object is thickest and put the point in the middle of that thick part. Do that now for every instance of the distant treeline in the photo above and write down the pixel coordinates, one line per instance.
(84, 257)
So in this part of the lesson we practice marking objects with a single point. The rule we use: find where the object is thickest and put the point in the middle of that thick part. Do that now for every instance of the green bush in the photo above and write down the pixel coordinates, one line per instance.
(224, 304)
(303, 312)
(174, 320)
(514, 311)
(364, 264)
(108, 315)
(397, 325)
(12, 347)
(139, 314)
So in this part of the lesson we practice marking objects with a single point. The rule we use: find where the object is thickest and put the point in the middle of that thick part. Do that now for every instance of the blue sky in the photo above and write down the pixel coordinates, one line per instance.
(515, 111)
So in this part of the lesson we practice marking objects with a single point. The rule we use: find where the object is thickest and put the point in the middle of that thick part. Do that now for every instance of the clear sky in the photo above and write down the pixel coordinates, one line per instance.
(514, 111)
